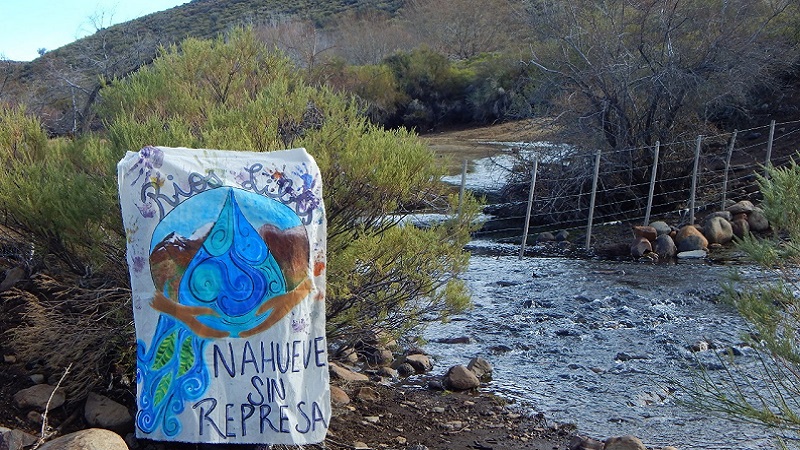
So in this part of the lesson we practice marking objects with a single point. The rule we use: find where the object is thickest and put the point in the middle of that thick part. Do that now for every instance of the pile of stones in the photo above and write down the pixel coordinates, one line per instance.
(659, 240)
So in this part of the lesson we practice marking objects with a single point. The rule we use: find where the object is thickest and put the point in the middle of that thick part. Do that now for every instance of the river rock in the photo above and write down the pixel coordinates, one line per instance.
(405, 369)
(459, 378)
(727, 215)
(562, 236)
(545, 236)
(344, 374)
(744, 206)
(387, 372)
(648, 233)
(420, 363)
(36, 397)
(661, 227)
(480, 367)
(584, 443)
(640, 247)
(718, 230)
(689, 238)
(624, 443)
(348, 355)
(90, 439)
(339, 397)
(15, 439)
(757, 220)
(740, 227)
(692, 254)
(102, 412)
(665, 247)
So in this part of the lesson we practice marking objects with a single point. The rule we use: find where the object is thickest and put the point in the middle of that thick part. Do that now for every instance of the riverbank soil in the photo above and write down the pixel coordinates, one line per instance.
(379, 416)
(400, 418)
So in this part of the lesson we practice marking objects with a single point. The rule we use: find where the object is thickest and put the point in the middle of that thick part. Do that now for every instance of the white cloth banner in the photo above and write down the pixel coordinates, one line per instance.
(227, 257)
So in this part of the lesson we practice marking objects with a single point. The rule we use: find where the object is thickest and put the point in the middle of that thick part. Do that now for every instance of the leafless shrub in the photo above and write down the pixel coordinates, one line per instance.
(85, 322)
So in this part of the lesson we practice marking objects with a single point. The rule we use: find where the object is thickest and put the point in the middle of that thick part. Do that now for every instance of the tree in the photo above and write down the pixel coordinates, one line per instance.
(369, 37)
(300, 40)
(651, 70)
(232, 93)
(461, 29)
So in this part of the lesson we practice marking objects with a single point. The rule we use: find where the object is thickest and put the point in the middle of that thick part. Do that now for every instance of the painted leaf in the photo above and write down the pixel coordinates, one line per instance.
(165, 351)
(163, 388)
(186, 356)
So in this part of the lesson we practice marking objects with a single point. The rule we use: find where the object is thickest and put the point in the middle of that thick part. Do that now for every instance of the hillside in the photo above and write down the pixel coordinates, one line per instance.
(62, 85)
(206, 19)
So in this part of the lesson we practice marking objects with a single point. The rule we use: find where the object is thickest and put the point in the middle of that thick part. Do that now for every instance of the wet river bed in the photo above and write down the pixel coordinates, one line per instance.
(605, 345)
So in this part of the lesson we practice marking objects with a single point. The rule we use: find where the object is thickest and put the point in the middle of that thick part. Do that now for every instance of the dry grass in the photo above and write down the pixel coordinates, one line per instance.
(74, 320)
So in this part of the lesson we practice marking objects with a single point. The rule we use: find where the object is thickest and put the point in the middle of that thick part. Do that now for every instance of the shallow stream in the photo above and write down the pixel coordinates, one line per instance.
(596, 343)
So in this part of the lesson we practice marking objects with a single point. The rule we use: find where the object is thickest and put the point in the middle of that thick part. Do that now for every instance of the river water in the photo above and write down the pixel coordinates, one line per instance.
(606, 345)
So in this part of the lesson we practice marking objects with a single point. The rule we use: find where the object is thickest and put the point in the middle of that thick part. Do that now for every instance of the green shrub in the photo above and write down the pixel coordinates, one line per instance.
(232, 93)
(59, 195)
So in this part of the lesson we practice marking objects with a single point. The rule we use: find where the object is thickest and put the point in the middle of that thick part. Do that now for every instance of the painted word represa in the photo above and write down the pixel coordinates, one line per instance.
(239, 420)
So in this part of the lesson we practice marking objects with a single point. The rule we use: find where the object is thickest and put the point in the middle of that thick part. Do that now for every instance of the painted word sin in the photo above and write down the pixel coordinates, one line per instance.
(239, 420)
(264, 357)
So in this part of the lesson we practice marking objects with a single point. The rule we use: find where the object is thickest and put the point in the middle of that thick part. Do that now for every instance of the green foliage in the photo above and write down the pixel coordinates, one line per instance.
(58, 194)
(232, 93)
(766, 391)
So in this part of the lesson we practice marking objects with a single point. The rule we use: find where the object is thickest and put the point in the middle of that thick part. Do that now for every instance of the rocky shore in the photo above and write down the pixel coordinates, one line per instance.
(380, 401)
(382, 397)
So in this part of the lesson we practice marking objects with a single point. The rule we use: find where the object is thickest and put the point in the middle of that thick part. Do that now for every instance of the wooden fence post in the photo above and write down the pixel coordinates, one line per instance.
(694, 179)
(768, 162)
(652, 185)
(727, 168)
(530, 206)
(591, 202)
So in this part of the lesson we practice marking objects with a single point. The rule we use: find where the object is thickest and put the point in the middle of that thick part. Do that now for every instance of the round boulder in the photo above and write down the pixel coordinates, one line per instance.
(757, 220)
(459, 378)
(689, 238)
(90, 439)
(648, 233)
(36, 397)
(339, 397)
(665, 247)
(624, 443)
(744, 206)
(640, 247)
(718, 230)
(102, 412)
(661, 227)
(480, 367)
(740, 227)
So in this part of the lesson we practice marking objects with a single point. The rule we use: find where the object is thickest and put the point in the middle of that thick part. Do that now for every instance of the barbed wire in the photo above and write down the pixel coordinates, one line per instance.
(726, 162)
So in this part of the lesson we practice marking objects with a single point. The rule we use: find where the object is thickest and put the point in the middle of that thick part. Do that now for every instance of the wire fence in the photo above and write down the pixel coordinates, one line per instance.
(574, 188)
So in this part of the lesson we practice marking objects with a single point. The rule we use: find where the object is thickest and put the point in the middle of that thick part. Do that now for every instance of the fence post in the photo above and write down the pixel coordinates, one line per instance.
(461, 190)
(591, 202)
(652, 186)
(530, 206)
(727, 168)
(768, 162)
(694, 179)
